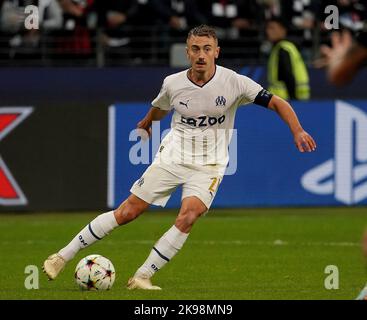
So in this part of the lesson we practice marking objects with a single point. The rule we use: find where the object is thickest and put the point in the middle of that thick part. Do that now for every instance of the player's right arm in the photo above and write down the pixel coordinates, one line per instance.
(160, 108)
(154, 114)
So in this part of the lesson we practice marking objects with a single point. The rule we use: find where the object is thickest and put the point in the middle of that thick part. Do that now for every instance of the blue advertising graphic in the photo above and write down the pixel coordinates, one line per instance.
(265, 169)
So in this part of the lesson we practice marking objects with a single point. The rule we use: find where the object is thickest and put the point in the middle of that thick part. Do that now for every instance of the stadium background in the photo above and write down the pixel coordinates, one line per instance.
(61, 150)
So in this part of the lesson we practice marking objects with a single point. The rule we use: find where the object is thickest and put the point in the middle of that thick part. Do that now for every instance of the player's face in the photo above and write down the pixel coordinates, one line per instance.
(202, 52)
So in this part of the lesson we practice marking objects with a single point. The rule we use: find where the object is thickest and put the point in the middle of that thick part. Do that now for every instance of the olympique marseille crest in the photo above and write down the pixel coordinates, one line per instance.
(10, 192)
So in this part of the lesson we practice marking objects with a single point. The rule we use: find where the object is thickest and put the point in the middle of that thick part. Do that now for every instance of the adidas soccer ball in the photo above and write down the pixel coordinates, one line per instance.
(95, 272)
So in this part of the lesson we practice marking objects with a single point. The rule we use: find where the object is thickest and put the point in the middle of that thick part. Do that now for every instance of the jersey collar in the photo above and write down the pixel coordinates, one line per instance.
(200, 86)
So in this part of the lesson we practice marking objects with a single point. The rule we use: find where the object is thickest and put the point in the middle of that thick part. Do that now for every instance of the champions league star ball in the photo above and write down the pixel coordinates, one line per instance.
(95, 272)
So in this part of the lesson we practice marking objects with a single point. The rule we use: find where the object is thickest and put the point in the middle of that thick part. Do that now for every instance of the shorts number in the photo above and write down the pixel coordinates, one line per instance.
(212, 187)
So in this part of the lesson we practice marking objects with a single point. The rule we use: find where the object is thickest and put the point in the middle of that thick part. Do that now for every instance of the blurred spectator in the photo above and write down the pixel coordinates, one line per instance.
(13, 16)
(115, 18)
(171, 25)
(75, 12)
(231, 17)
(287, 73)
(127, 28)
(301, 16)
(345, 49)
(20, 40)
(236, 23)
(172, 13)
(143, 20)
(270, 8)
(142, 13)
(352, 13)
(146, 29)
(50, 14)
(75, 39)
(343, 59)
(345, 56)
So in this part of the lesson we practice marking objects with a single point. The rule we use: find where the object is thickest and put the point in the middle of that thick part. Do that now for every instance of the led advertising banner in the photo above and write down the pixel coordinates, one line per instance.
(265, 167)
(53, 157)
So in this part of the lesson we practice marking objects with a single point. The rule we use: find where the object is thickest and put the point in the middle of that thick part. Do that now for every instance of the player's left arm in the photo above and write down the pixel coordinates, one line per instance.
(252, 92)
(303, 141)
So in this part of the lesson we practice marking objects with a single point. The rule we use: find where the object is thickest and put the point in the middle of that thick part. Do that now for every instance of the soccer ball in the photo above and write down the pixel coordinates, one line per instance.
(95, 272)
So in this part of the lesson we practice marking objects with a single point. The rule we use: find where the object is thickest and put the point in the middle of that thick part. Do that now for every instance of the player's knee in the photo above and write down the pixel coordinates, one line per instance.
(129, 210)
(187, 218)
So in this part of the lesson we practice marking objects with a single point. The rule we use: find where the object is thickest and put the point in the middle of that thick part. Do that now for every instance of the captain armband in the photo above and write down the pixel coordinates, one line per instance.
(263, 98)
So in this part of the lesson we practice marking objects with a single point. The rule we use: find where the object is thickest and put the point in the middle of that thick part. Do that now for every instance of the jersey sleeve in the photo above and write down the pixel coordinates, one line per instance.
(247, 90)
(251, 92)
(162, 101)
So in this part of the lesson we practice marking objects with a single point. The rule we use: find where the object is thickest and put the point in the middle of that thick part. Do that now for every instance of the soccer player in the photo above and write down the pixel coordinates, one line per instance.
(204, 99)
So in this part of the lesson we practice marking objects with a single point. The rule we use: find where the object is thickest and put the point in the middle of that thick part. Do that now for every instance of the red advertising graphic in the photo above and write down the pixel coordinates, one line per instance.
(10, 192)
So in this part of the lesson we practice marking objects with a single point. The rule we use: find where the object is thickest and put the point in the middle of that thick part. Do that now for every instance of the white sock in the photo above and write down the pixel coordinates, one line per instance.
(95, 230)
(163, 251)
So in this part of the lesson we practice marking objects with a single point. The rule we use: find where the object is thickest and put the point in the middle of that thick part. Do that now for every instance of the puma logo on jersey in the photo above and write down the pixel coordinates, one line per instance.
(185, 104)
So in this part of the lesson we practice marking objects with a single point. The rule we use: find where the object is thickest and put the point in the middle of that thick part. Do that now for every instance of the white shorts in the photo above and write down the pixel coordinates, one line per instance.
(160, 179)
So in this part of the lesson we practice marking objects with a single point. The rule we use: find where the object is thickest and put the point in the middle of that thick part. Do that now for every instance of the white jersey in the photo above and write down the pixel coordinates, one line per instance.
(203, 118)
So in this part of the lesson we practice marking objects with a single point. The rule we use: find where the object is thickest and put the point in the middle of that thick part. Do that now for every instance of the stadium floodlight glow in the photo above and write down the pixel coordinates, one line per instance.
(10, 192)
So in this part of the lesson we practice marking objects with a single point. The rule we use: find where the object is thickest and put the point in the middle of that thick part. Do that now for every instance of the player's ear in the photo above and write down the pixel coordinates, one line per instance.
(217, 50)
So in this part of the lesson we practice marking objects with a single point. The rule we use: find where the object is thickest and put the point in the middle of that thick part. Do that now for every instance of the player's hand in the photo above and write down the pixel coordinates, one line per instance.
(304, 142)
(145, 125)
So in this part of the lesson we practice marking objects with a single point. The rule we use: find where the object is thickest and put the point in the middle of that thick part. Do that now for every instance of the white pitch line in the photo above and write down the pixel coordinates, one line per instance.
(257, 243)
(209, 242)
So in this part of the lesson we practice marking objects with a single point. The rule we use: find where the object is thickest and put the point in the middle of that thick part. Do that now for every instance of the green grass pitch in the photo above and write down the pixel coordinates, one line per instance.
(236, 254)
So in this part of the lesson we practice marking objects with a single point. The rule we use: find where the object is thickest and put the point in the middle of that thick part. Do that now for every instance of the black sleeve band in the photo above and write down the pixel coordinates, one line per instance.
(263, 98)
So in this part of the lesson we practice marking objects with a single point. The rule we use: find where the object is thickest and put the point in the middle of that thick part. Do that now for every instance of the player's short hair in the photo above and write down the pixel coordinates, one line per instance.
(203, 31)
